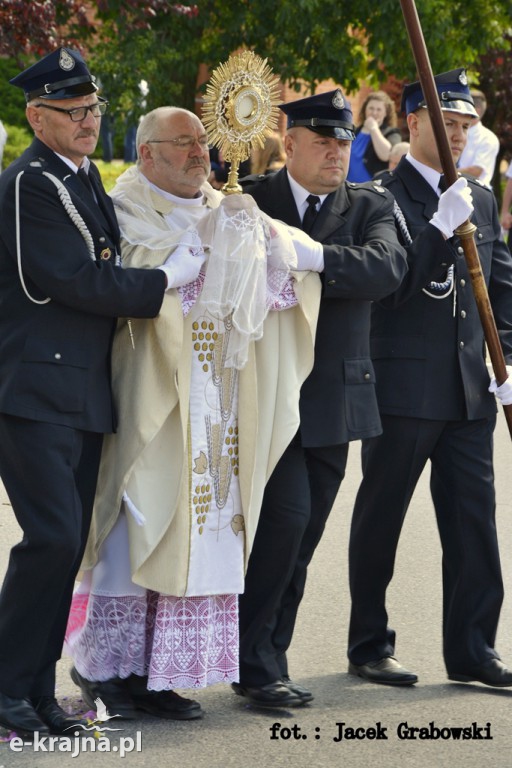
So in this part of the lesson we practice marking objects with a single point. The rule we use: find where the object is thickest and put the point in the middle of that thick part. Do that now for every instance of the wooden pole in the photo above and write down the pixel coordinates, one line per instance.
(466, 230)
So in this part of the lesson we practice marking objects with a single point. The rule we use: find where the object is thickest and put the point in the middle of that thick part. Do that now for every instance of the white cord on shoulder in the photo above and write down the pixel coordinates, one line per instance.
(434, 289)
(73, 214)
(402, 224)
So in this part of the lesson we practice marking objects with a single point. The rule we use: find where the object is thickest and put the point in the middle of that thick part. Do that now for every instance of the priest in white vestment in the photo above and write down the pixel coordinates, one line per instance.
(207, 398)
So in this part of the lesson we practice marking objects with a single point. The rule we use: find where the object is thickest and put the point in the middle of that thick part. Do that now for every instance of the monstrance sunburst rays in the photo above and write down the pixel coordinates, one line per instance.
(240, 109)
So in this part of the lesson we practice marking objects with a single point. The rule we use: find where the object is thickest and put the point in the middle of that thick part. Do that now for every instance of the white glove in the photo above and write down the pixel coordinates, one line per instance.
(282, 253)
(455, 207)
(503, 393)
(183, 265)
(310, 253)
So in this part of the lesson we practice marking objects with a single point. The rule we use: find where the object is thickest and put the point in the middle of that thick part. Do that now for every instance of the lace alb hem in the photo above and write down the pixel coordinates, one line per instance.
(189, 642)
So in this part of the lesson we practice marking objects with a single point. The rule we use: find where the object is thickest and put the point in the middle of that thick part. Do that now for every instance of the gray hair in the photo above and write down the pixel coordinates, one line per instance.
(150, 123)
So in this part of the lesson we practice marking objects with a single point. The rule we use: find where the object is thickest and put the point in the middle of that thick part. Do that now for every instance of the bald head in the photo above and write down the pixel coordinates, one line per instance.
(172, 151)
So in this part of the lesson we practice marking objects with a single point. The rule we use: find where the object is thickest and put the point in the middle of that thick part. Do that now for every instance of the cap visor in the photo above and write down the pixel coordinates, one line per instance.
(460, 106)
(333, 132)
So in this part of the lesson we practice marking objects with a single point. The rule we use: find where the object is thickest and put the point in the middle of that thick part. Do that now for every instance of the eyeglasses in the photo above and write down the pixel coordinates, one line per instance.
(183, 142)
(77, 114)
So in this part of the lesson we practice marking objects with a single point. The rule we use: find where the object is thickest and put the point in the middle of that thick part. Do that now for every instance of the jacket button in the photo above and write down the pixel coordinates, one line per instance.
(461, 344)
(460, 249)
(367, 376)
(331, 282)
(57, 355)
(462, 282)
(463, 314)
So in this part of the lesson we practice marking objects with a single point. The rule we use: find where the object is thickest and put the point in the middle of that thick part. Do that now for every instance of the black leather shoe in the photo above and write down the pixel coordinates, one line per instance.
(493, 672)
(386, 671)
(19, 715)
(167, 704)
(113, 694)
(304, 694)
(58, 721)
(274, 695)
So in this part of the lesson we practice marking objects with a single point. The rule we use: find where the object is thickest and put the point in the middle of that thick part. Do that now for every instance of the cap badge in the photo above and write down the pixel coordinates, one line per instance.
(462, 78)
(66, 61)
(338, 101)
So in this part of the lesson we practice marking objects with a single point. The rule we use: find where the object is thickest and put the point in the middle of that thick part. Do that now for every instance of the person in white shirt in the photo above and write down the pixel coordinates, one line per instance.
(479, 156)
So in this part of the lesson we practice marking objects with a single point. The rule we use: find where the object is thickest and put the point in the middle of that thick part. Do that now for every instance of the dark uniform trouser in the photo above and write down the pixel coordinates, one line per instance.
(462, 487)
(298, 498)
(49, 473)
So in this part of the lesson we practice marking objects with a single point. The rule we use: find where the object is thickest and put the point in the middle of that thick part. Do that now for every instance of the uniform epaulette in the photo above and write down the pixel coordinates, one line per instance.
(477, 181)
(375, 185)
(483, 184)
(36, 165)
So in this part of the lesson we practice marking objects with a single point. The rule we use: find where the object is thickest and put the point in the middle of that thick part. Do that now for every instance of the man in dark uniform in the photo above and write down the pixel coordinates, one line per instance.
(60, 292)
(428, 350)
(361, 262)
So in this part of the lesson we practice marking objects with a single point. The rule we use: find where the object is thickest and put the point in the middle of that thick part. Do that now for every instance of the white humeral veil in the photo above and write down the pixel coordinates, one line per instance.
(208, 401)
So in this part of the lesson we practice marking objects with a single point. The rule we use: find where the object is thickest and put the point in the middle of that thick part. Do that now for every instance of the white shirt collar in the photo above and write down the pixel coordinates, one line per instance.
(430, 175)
(193, 202)
(300, 195)
(85, 164)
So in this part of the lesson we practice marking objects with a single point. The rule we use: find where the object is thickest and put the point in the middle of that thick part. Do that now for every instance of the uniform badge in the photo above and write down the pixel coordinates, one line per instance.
(66, 61)
(338, 101)
(462, 77)
(105, 254)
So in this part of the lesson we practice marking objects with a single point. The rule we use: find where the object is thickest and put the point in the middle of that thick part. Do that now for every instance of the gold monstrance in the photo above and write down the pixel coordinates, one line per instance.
(240, 109)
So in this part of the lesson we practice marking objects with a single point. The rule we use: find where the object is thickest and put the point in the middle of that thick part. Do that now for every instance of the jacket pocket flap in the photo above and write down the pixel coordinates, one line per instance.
(58, 352)
(359, 371)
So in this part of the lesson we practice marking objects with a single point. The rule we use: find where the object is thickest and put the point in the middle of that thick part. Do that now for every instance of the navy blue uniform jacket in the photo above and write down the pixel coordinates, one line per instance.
(429, 354)
(55, 356)
(363, 263)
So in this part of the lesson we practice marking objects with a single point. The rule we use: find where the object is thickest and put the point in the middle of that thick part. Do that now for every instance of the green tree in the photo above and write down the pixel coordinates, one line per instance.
(37, 27)
(305, 41)
(29, 30)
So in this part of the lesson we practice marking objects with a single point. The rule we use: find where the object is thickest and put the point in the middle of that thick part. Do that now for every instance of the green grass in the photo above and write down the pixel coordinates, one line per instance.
(110, 172)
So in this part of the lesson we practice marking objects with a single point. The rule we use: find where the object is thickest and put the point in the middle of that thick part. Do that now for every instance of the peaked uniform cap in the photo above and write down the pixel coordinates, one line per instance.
(452, 88)
(61, 74)
(327, 113)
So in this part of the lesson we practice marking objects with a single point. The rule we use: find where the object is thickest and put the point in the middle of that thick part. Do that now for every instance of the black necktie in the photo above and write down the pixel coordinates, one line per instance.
(443, 186)
(311, 213)
(84, 178)
(95, 197)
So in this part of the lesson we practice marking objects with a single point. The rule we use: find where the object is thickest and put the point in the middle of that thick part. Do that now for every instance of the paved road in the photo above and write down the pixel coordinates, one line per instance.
(232, 734)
